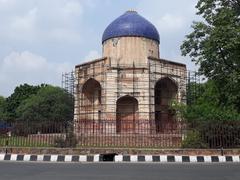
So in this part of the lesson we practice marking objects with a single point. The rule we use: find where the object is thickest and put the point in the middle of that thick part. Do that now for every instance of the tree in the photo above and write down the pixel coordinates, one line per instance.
(210, 125)
(48, 104)
(214, 44)
(2, 104)
(206, 106)
(20, 94)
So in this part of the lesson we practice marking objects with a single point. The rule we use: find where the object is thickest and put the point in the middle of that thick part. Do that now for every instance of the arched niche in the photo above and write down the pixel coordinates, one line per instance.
(164, 92)
(91, 98)
(127, 114)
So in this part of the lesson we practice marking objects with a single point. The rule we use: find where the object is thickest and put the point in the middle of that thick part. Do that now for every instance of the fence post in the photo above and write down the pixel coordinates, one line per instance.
(222, 153)
(6, 144)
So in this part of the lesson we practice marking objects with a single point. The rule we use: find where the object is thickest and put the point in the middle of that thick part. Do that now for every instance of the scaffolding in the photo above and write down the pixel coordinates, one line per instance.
(118, 80)
(68, 79)
(130, 103)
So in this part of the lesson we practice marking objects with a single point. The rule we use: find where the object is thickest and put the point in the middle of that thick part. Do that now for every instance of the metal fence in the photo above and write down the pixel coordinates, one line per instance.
(218, 134)
(104, 133)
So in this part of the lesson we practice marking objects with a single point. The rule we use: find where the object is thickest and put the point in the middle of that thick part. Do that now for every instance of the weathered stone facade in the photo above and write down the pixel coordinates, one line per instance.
(129, 84)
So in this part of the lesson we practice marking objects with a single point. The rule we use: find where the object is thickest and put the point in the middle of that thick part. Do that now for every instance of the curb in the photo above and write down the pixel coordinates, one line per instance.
(177, 159)
(118, 158)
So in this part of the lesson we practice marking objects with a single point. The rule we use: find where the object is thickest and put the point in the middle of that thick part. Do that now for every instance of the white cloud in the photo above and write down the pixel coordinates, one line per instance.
(91, 3)
(27, 61)
(73, 8)
(170, 22)
(26, 67)
(93, 54)
(23, 26)
(64, 35)
(6, 3)
(39, 21)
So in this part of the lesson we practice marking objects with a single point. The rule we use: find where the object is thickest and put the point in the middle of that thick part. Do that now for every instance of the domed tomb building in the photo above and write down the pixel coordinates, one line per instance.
(130, 88)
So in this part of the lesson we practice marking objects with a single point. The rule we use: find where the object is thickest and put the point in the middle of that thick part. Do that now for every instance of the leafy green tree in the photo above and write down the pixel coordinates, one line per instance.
(209, 125)
(20, 94)
(214, 44)
(205, 106)
(48, 104)
(2, 104)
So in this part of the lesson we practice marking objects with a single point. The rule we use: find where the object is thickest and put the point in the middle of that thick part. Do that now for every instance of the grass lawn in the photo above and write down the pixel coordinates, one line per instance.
(17, 141)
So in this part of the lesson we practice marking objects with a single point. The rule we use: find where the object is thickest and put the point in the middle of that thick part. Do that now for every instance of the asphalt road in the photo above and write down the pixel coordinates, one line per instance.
(117, 171)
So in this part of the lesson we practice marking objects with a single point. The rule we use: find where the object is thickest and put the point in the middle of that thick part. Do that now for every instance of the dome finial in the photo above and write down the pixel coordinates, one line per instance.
(132, 11)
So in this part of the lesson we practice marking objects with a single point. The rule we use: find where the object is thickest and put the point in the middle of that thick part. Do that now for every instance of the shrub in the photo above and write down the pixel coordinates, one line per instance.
(59, 142)
(71, 140)
(193, 140)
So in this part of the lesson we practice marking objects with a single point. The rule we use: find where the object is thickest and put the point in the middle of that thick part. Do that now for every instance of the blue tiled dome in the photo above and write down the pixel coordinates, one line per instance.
(130, 24)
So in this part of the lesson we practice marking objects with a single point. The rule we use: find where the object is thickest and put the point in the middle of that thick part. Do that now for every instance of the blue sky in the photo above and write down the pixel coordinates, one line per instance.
(40, 39)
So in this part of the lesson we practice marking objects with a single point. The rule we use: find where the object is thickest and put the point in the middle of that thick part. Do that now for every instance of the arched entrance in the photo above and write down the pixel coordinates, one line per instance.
(127, 114)
(165, 92)
(91, 99)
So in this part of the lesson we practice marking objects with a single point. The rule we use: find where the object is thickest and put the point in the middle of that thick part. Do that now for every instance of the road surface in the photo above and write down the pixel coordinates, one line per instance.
(118, 171)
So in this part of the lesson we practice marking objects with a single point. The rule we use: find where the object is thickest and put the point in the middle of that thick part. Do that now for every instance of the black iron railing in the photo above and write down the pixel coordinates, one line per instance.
(109, 133)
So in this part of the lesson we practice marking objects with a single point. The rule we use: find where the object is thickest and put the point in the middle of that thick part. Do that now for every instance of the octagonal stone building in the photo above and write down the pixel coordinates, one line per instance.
(130, 88)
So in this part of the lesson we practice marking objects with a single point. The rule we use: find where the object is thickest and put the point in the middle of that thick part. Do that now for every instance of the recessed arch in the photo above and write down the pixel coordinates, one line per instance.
(126, 114)
(165, 91)
(91, 98)
(90, 82)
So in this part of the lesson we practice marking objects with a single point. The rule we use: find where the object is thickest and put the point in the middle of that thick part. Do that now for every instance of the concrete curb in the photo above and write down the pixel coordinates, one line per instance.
(118, 158)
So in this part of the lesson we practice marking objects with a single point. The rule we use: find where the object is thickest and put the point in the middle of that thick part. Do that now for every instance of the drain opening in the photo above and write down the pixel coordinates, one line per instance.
(107, 157)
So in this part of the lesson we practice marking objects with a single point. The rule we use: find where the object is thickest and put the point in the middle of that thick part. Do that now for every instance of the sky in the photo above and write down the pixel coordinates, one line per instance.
(41, 39)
